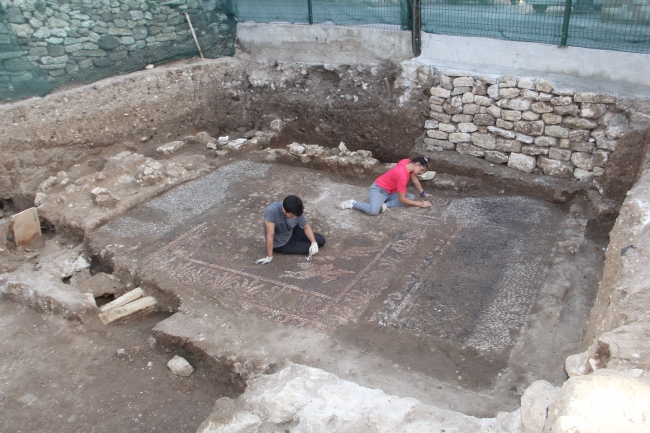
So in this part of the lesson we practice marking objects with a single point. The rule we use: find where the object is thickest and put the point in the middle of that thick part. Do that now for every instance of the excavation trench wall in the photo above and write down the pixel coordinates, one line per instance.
(378, 107)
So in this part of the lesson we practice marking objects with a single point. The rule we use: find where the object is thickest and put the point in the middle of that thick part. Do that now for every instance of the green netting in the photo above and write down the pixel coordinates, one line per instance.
(374, 13)
(622, 25)
(45, 44)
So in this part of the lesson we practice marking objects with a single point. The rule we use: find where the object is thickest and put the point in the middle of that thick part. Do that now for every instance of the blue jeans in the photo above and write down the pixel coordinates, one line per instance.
(377, 196)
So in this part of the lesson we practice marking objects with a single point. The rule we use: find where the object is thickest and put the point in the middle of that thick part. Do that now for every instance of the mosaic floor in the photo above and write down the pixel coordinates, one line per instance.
(467, 270)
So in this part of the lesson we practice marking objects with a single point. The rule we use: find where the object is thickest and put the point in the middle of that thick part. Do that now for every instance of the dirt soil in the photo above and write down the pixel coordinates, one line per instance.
(57, 375)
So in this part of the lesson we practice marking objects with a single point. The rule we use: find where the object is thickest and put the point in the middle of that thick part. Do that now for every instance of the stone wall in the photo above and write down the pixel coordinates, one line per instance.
(525, 123)
(85, 40)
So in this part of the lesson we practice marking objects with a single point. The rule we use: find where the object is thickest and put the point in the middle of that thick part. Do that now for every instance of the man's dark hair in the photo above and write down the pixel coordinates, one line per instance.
(422, 160)
(292, 204)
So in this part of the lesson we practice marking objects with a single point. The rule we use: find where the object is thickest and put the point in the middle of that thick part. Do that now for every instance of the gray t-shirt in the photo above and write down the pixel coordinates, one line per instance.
(283, 225)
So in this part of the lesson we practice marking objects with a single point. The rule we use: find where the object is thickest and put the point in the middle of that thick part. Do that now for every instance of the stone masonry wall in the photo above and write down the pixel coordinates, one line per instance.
(525, 123)
(91, 39)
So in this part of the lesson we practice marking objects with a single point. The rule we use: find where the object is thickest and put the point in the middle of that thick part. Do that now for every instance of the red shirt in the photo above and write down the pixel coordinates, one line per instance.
(396, 178)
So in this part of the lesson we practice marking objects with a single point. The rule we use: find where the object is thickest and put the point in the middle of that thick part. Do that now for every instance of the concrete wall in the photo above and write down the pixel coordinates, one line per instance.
(480, 54)
(323, 44)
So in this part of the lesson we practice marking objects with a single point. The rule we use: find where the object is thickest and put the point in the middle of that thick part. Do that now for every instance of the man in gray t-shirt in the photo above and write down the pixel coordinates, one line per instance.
(287, 231)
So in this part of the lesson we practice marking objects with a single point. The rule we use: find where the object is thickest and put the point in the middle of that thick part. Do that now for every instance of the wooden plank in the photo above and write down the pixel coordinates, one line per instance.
(124, 299)
(26, 226)
(138, 308)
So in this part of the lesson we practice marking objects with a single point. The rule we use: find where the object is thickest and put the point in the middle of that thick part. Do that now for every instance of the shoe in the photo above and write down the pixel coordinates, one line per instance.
(347, 204)
(384, 208)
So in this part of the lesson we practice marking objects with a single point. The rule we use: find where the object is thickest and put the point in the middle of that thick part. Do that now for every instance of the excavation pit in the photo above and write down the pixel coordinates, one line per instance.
(461, 306)
(462, 297)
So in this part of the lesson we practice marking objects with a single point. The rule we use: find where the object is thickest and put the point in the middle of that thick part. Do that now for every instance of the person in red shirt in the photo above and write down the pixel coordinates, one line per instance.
(389, 189)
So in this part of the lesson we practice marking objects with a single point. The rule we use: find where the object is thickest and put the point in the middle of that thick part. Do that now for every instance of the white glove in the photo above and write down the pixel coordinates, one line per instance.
(313, 249)
(264, 261)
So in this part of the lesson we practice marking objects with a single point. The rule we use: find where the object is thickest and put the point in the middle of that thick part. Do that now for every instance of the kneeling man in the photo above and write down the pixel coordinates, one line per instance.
(287, 231)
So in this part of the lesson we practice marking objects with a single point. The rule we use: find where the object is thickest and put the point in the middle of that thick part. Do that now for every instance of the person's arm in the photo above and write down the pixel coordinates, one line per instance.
(270, 232)
(309, 233)
(418, 186)
(403, 199)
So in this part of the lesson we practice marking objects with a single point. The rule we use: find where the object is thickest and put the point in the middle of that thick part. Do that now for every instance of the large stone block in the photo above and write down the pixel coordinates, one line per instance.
(567, 110)
(534, 150)
(583, 160)
(502, 132)
(534, 405)
(486, 141)
(542, 107)
(543, 85)
(556, 131)
(520, 104)
(440, 92)
(470, 149)
(463, 82)
(561, 100)
(484, 119)
(596, 98)
(432, 143)
(579, 123)
(530, 128)
(460, 137)
(454, 105)
(471, 109)
(604, 401)
(500, 123)
(438, 135)
(546, 141)
(507, 81)
(509, 92)
(583, 146)
(553, 167)
(522, 162)
(496, 157)
(441, 117)
(467, 127)
(592, 111)
(505, 145)
(551, 118)
(559, 154)
(510, 115)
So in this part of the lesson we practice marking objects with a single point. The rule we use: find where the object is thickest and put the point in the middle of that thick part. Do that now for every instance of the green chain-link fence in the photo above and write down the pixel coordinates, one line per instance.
(45, 44)
(622, 25)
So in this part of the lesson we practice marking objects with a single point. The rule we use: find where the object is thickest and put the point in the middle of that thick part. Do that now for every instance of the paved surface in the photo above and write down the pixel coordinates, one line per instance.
(441, 292)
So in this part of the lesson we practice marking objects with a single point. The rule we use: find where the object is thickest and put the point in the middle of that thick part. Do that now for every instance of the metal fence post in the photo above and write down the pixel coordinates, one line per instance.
(416, 27)
(311, 12)
(565, 23)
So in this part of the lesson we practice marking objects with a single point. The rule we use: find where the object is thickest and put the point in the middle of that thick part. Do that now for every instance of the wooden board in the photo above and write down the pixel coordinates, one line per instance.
(132, 310)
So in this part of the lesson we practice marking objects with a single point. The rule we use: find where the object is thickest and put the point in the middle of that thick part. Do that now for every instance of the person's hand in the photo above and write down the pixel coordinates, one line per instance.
(264, 261)
(425, 204)
(426, 194)
(313, 249)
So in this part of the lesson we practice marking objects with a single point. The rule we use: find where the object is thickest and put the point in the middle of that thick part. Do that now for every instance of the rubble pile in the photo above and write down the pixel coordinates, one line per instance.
(80, 202)
(338, 159)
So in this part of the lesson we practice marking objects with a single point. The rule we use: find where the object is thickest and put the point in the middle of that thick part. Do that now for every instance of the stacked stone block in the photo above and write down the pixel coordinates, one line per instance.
(79, 38)
(525, 123)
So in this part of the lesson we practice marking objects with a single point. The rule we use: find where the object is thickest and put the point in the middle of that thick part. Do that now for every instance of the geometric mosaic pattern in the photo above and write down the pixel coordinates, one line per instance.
(478, 285)
(325, 292)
